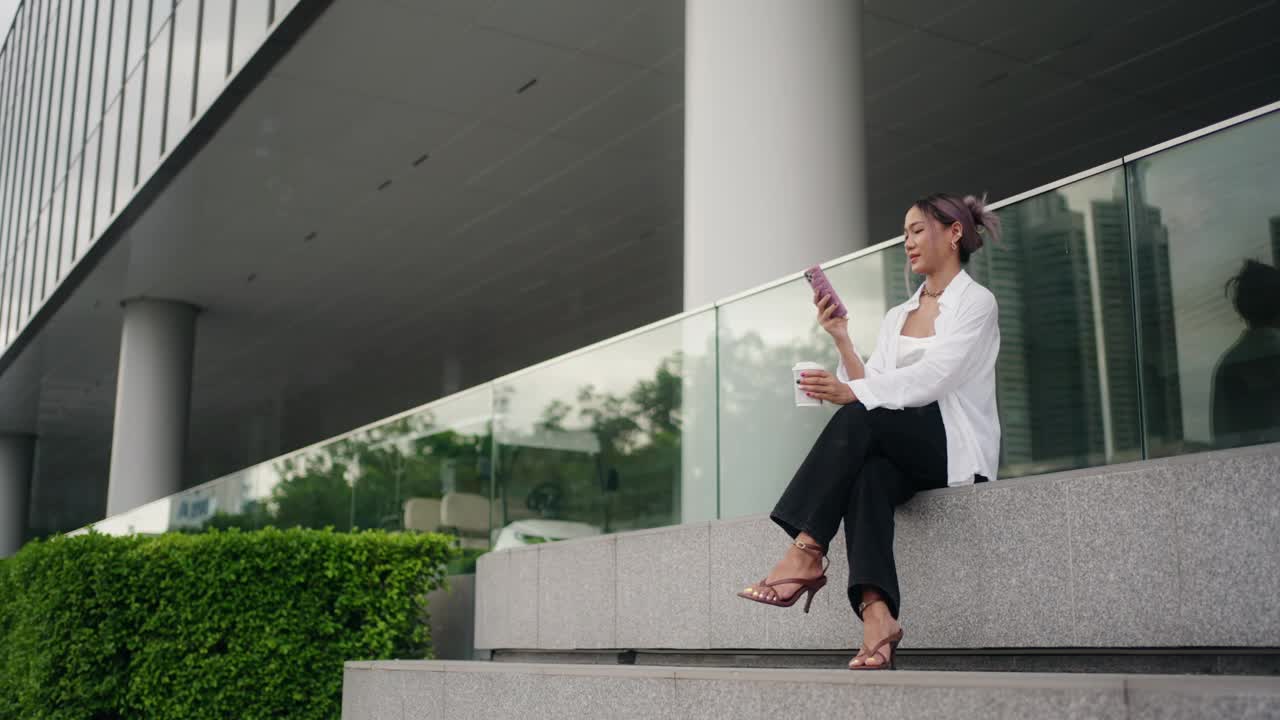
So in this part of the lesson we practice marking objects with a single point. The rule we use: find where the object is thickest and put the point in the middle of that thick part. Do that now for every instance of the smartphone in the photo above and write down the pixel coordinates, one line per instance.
(822, 286)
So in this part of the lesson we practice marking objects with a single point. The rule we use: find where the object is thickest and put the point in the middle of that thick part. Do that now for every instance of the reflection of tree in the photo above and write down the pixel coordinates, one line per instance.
(362, 481)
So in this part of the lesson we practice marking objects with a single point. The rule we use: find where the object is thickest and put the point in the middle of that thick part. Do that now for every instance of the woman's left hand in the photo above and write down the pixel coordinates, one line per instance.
(824, 386)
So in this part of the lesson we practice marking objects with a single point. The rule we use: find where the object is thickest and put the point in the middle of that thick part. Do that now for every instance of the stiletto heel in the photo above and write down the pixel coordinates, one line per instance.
(886, 663)
(762, 592)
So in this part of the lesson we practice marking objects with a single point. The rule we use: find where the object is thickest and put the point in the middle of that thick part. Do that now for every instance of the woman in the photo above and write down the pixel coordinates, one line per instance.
(919, 415)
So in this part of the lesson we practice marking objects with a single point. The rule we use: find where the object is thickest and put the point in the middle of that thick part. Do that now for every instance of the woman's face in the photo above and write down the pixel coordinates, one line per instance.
(928, 242)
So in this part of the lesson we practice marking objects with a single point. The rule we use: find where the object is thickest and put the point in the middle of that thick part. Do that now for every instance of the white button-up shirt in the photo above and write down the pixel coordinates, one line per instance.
(958, 371)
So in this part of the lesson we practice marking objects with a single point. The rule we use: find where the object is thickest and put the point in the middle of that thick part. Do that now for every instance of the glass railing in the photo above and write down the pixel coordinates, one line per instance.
(1139, 316)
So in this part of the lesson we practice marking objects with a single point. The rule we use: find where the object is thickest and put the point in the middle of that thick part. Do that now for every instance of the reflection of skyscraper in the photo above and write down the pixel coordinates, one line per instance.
(1161, 387)
(1275, 241)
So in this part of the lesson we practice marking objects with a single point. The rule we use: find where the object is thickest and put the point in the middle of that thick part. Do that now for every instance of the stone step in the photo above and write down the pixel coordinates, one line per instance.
(435, 690)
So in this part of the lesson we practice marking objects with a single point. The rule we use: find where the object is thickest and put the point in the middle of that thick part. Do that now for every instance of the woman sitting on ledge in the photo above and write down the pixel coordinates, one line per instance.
(919, 415)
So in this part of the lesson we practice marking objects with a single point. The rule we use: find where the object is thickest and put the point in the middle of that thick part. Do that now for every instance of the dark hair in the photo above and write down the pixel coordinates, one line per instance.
(1255, 291)
(972, 214)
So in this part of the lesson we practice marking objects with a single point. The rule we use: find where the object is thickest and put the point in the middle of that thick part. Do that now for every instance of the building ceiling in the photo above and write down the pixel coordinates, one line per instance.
(422, 195)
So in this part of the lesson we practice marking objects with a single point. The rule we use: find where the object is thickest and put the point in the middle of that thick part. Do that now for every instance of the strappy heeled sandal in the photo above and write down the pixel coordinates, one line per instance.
(886, 663)
(763, 592)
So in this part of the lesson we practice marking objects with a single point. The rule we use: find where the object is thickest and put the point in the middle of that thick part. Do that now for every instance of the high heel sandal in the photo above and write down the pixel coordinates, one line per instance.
(761, 592)
(886, 663)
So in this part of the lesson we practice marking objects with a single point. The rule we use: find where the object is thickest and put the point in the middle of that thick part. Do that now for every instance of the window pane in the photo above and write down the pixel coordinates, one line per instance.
(8, 140)
(101, 46)
(161, 11)
(88, 192)
(182, 71)
(119, 38)
(71, 46)
(36, 105)
(137, 32)
(127, 169)
(72, 227)
(52, 265)
(215, 36)
(283, 7)
(103, 207)
(1206, 218)
(251, 29)
(57, 77)
(84, 75)
(157, 62)
(35, 272)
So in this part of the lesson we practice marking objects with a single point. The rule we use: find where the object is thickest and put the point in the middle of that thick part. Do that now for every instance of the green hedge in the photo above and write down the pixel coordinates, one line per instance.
(217, 625)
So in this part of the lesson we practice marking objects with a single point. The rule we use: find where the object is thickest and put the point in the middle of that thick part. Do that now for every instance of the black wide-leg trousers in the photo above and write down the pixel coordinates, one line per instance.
(863, 465)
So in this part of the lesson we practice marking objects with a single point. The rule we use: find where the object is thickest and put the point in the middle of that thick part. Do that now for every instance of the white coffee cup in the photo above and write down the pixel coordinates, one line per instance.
(803, 400)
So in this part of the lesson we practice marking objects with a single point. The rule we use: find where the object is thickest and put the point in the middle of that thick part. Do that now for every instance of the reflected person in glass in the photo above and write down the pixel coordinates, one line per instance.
(1246, 382)
(919, 414)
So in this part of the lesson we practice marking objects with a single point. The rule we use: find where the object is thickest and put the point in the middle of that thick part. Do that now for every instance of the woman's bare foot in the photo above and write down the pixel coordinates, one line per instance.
(877, 624)
(796, 563)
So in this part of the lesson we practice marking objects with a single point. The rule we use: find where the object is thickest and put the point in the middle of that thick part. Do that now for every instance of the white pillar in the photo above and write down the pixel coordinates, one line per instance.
(153, 397)
(17, 460)
(775, 176)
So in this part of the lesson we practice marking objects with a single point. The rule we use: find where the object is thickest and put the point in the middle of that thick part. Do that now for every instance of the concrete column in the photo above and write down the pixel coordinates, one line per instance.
(153, 397)
(17, 461)
(775, 168)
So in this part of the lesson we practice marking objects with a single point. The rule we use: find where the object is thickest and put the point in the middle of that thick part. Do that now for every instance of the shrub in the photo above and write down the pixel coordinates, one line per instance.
(215, 625)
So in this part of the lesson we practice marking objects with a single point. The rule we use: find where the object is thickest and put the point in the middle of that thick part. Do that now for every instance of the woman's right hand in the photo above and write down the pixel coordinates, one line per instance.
(836, 327)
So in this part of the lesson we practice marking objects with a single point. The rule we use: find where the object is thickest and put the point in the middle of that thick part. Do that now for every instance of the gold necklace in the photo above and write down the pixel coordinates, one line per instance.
(925, 290)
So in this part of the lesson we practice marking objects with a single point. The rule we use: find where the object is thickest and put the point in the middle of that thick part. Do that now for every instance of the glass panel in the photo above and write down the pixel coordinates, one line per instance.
(84, 74)
(763, 435)
(157, 63)
(284, 7)
(52, 268)
(36, 110)
(215, 36)
(103, 207)
(250, 30)
(1067, 373)
(72, 216)
(1206, 225)
(57, 84)
(88, 191)
(137, 32)
(101, 45)
(182, 72)
(119, 38)
(127, 170)
(66, 109)
(7, 143)
(595, 443)
(161, 12)
(35, 273)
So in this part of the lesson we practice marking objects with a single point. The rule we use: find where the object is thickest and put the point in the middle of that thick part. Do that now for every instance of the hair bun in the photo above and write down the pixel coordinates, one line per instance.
(984, 221)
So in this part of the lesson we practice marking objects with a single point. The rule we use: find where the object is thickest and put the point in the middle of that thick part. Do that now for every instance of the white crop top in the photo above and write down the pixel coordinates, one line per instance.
(911, 349)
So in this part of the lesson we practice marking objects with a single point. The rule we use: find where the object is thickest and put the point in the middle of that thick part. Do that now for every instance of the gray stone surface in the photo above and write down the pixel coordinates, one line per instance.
(522, 598)
(355, 693)
(718, 699)
(372, 694)
(583, 696)
(740, 555)
(939, 570)
(664, 588)
(492, 578)
(1169, 553)
(468, 695)
(1228, 525)
(1124, 547)
(1025, 565)
(577, 594)
(423, 694)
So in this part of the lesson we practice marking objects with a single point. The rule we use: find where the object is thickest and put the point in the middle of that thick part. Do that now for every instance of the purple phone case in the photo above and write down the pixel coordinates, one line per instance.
(819, 282)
